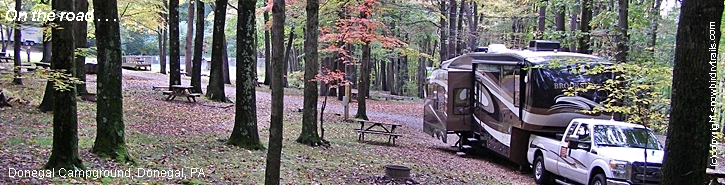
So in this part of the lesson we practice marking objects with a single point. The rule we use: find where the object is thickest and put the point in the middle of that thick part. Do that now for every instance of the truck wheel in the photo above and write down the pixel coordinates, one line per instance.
(541, 176)
(599, 179)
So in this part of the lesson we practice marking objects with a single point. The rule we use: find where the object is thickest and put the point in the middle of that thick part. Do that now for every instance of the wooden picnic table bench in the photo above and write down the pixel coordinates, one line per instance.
(181, 90)
(374, 127)
(6, 59)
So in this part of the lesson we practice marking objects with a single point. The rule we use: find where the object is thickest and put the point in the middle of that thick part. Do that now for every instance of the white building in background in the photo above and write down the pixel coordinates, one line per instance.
(32, 34)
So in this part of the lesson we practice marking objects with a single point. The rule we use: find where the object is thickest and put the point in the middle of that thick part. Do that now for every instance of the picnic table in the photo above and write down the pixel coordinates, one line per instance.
(181, 90)
(374, 127)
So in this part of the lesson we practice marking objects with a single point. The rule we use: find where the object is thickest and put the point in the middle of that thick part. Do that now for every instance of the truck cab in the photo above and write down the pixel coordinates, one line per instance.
(597, 152)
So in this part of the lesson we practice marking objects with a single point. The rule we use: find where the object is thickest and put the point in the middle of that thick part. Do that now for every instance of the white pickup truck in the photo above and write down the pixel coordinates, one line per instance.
(613, 153)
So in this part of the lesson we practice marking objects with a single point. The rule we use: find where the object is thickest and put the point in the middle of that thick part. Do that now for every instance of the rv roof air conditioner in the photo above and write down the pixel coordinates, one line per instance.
(544, 45)
(495, 48)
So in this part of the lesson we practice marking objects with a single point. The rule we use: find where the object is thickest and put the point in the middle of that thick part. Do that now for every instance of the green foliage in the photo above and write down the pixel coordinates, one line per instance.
(295, 79)
(639, 91)
(62, 80)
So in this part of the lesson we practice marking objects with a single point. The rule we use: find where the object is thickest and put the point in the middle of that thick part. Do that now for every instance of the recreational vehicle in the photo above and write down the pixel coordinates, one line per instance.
(497, 98)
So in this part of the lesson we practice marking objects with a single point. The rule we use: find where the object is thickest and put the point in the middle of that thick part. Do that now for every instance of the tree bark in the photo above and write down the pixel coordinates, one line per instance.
(560, 18)
(110, 139)
(164, 40)
(225, 57)
(471, 16)
(189, 39)
(689, 132)
(655, 13)
(542, 20)
(364, 87)
(443, 32)
(623, 37)
(287, 57)
(17, 79)
(308, 135)
(164, 48)
(80, 39)
(460, 44)
(452, 40)
(215, 89)
(245, 133)
(274, 154)
(64, 152)
(174, 53)
(198, 48)
(584, 26)
(267, 49)
(573, 26)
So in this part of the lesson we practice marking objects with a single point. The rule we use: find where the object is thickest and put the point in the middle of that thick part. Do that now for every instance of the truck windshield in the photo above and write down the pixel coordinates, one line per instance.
(624, 136)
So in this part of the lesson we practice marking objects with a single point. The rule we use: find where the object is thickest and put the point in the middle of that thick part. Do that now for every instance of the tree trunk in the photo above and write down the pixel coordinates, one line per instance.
(64, 152)
(287, 57)
(225, 58)
(17, 79)
(560, 19)
(189, 39)
(573, 26)
(452, 30)
(652, 44)
(162, 57)
(402, 76)
(47, 44)
(584, 26)
(198, 48)
(215, 89)
(47, 104)
(390, 79)
(364, 86)
(3, 99)
(443, 32)
(384, 76)
(542, 19)
(308, 135)
(81, 33)
(7, 30)
(174, 53)
(2, 38)
(110, 139)
(245, 133)
(689, 132)
(267, 49)
(472, 26)
(164, 40)
(460, 44)
(623, 37)
(274, 154)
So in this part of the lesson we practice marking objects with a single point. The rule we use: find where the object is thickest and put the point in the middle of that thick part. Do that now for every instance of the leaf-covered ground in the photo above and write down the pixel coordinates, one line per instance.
(177, 135)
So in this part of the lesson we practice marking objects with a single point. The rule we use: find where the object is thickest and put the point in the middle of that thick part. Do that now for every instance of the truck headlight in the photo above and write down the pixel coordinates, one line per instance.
(620, 169)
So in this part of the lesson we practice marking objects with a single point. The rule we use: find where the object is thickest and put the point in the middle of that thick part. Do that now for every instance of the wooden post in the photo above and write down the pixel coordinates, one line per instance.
(347, 101)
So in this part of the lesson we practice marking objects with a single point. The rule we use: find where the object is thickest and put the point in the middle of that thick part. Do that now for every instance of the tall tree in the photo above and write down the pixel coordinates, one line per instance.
(585, 28)
(189, 38)
(80, 39)
(542, 17)
(655, 13)
(622, 37)
(309, 134)
(164, 39)
(274, 154)
(443, 32)
(689, 135)
(215, 89)
(174, 60)
(64, 152)
(245, 133)
(267, 54)
(110, 135)
(47, 44)
(452, 35)
(17, 79)
(198, 48)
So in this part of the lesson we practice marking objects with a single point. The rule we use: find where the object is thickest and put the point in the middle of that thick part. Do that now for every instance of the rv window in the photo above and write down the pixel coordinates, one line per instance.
(462, 102)
(510, 83)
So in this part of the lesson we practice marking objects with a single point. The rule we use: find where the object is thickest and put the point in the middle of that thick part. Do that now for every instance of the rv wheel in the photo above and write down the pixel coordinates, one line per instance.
(541, 176)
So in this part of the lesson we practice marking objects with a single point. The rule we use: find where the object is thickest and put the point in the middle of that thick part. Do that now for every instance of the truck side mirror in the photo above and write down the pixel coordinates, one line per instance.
(574, 143)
